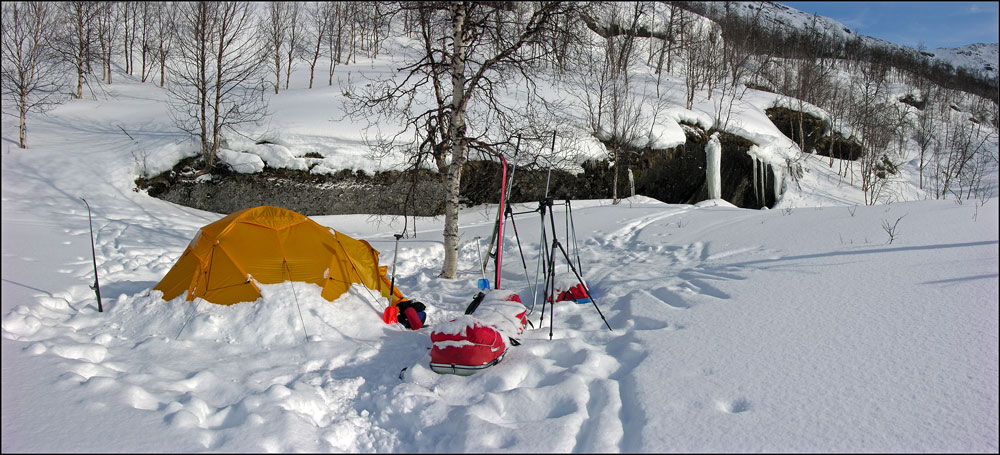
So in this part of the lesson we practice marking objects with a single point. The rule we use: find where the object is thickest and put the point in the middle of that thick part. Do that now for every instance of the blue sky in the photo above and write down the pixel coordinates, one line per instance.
(936, 24)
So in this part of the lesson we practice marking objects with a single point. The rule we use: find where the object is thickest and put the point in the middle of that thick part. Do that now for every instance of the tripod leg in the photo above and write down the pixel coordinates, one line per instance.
(524, 264)
(544, 289)
(573, 268)
(548, 296)
(572, 232)
(551, 290)
(543, 253)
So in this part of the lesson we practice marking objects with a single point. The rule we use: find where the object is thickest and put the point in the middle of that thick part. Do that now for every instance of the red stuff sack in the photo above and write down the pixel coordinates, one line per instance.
(477, 341)
(568, 288)
(503, 310)
(464, 346)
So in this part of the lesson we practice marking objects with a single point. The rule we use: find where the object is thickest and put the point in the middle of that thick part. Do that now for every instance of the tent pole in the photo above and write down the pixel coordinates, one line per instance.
(392, 283)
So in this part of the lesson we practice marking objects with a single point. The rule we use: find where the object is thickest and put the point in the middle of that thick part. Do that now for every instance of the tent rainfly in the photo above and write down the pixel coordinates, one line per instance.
(228, 258)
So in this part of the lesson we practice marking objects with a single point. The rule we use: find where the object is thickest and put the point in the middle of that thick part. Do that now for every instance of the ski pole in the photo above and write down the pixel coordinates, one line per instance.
(483, 282)
(481, 269)
(93, 254)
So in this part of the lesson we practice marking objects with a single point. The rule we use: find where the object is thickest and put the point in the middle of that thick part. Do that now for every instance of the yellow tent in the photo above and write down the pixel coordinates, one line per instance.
(228, 258)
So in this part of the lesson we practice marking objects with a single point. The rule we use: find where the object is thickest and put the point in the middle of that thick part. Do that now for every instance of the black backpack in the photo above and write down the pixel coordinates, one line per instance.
(417, 306)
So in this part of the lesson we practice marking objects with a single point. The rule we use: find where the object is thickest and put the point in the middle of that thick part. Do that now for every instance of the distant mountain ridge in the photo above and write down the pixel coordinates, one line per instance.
(980, 58)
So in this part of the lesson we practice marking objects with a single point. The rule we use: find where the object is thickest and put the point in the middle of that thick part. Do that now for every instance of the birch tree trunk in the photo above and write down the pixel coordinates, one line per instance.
(456, 133)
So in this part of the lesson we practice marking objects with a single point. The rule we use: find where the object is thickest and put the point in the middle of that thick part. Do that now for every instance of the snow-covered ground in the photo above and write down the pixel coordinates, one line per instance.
(800, 328)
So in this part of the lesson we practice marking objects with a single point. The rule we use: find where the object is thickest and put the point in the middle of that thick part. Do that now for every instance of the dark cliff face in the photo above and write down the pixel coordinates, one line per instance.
(788, 122)
(813, 132)
(675, 176)
(345, 192)
(678, 175)
(737, 172)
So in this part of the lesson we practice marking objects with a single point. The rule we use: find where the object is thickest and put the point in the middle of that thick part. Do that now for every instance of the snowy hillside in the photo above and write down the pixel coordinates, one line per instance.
(822, 325)
(980, 58)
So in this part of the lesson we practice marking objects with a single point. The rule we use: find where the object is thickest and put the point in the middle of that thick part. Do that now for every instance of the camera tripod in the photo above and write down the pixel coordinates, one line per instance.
(548, 255)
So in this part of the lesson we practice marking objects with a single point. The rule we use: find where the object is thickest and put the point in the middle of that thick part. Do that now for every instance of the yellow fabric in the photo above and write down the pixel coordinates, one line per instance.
(271, 245)
(386, 284)
(183, 274)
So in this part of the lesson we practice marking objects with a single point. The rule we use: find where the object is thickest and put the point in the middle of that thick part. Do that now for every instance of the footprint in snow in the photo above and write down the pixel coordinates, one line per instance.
(736, 406)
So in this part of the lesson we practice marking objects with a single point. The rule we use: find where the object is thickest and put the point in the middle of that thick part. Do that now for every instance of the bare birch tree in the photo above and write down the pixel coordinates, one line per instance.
(164, 33)
(318, 23)
(699, 49)
(144, 28)
(31, 78)
(742, 41)
(274, 28)
(623, 108)
(871, 115)
(963, 157)
(293, 49)
(218, 86)
(75, 39)
(466, 56)
(109, 26)
(335, 39)
(126, 12)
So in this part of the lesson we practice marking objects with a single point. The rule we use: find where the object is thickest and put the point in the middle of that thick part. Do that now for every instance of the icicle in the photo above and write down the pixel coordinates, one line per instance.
(713, 167)
(755, 193)
(763, 183)
(631, 182)
(779, 178)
